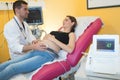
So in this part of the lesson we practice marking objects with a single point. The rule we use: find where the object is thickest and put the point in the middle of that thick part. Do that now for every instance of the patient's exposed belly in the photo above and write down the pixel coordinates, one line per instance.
(51, 45)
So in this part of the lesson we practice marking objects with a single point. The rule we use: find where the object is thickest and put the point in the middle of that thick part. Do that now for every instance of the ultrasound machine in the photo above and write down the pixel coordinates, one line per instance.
(103, 60)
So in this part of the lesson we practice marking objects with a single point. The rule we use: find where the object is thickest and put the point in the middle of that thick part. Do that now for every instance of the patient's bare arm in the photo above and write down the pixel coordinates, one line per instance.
(46, 37)
(69, 47)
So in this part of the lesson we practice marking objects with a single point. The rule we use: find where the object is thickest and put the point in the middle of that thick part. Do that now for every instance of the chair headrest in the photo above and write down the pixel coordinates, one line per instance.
(82, 23)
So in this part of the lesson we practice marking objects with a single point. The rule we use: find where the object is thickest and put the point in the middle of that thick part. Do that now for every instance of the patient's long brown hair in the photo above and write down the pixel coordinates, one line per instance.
(73, 19)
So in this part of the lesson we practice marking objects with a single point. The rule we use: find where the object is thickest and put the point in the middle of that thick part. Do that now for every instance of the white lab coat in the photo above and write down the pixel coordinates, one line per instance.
(15, 38)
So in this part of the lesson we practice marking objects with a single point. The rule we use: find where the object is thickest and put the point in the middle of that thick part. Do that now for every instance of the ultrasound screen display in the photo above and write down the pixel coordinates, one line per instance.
(106, 45)
(35, 16)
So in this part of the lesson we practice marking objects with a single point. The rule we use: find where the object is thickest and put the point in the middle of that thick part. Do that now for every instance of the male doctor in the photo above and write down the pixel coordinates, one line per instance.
(17, 33)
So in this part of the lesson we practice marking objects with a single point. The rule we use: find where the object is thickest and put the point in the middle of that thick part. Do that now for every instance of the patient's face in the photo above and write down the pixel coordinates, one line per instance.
(67, 22)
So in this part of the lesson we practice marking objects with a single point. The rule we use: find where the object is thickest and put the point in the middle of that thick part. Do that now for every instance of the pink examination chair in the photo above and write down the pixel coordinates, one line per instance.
(56, 69)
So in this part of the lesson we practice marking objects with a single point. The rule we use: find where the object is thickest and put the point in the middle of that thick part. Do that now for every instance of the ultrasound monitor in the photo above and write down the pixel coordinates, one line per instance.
(35, 16)
(106, 44)
(103, 60)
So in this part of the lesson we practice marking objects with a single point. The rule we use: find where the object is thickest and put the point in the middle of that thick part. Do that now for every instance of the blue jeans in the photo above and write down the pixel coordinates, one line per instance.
(29, 62)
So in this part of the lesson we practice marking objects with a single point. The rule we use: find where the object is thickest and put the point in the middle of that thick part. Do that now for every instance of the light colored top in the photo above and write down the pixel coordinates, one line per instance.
(17, 38)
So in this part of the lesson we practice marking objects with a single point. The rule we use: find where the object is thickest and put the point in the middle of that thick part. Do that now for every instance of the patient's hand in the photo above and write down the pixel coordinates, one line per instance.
(35, 41)
(49, 37)
(40, 46)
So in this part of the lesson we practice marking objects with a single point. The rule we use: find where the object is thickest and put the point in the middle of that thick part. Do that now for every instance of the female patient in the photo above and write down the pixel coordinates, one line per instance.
(54, 42)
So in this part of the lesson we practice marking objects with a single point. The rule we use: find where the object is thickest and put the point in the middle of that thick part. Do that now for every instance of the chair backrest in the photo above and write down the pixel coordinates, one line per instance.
(83, 42)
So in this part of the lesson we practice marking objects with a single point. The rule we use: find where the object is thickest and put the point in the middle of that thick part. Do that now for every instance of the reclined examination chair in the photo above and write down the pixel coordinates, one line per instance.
(52, 71)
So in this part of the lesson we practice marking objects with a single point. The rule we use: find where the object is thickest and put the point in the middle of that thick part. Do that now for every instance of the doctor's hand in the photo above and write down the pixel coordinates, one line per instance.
(39, 46)
(35, 41)
(35, 46)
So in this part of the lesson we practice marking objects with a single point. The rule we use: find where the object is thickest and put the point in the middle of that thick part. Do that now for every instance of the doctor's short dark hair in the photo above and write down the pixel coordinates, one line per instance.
(18, 4)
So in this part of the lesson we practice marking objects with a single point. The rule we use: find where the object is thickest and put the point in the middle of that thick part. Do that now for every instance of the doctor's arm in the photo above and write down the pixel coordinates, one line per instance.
(34, 43)
(13, 39)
